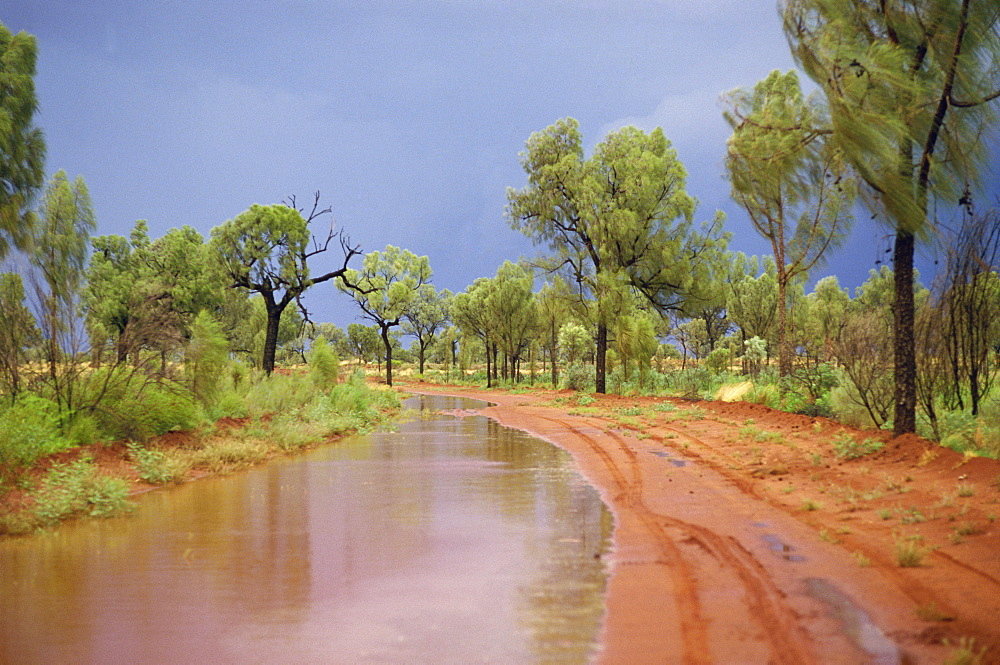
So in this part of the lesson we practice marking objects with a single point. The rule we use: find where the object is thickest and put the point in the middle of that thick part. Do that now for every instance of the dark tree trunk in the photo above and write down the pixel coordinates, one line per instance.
(905, 416)
(271, 338)
(388, 355)
(489, 374)
(602, 357)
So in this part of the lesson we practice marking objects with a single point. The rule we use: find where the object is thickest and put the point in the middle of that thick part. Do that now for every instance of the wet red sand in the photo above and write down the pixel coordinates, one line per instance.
(742, 538)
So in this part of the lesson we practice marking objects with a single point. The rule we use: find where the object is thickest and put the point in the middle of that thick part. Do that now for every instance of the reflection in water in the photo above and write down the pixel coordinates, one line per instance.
(452, 540)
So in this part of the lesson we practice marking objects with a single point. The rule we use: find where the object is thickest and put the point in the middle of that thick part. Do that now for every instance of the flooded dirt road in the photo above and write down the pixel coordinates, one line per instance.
(742, 537)
(453, 540)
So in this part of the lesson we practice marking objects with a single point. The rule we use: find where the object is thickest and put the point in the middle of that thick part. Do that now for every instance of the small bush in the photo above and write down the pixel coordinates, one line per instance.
(910, 553)
(847, 447)
(578, 377)
(29, 430)
(324, 365)
(717, 361)
(78, 489)
(156, 468)
(138, 410)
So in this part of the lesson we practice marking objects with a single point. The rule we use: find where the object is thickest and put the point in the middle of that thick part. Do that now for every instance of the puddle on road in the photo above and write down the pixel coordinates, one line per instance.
(785, 550)
(451, 540)
(855, 622)
(670, 458)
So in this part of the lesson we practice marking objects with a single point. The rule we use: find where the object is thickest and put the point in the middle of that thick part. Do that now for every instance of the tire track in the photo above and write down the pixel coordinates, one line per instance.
(788, 643)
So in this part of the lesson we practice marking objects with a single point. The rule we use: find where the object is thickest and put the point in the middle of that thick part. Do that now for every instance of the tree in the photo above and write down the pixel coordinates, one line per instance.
(266, 250)
(385, 289)
(468, 311)
(17, 333)
(553, 311)
(22, 145)
(620, 218)
(909, 86)
(145, 294)
(58, 254)
(789, 181)
(427, 315)
(510, 304)
(827, 308)
(363, 340)
(970, 308)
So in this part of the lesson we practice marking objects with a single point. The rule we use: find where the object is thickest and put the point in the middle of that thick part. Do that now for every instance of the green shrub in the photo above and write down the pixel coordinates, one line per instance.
(29, 430)
(578, 377)
(847, 447)
(78, 489)
(324, 365)
(155, 467)
(138, 410)
(717, 361)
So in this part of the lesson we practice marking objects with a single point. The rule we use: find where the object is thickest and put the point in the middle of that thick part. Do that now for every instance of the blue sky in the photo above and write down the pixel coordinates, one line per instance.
(407, 116)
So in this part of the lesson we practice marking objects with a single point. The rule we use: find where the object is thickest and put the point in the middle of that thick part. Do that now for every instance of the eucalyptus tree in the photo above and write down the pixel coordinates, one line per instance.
(385, 290)
(363, 341)
(909, 85)
(59, 251)
(826, 310)
(553, 311)
(512, 309)
(789, 180)
(469, 313)
(752, 302)
(428, 315)
(266, 250)
(22, 145)
(970, 309)
(17, 333)
(621, 217)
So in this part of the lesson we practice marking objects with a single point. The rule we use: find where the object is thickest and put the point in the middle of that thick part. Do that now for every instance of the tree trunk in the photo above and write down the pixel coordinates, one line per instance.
(905, 416)
(552, 356)
(271, 339)
(489, 375)
(388, 355)
(601, 360)
(784, 352)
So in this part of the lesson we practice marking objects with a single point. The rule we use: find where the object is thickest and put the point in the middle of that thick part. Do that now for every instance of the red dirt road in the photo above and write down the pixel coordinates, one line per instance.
(741, 537)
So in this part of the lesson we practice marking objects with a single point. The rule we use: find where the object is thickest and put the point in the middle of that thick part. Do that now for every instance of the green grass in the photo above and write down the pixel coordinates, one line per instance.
(846, 447)
(78, 489)
(910, 553)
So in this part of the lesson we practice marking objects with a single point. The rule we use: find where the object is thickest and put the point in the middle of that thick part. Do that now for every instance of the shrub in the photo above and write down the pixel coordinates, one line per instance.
(156, 468)
(29, 430)
(847, 447)
(578, 377)
(138, 410)
(69, 490)
(717, 361)
(324, 365)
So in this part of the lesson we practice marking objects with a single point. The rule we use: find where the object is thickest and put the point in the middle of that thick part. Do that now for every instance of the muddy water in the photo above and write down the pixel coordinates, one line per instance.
(453, 540)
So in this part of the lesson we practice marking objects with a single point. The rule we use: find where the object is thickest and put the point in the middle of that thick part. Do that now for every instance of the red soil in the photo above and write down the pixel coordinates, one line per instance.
(741, 537)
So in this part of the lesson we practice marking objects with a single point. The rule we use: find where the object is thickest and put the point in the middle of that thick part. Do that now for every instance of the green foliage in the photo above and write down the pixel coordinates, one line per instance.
(137, 409)
(155, 467)
(29, 430)
(79, 489)
(717, 361)
(385, 290)
(206, 358)
(578, 377)
(17, 333)
(324, 365)
(847, 447)
(22, 145)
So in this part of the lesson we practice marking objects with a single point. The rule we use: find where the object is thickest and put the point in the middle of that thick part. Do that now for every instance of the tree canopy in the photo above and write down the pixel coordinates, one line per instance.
(22, 145)
(620, 219)
(266, 250)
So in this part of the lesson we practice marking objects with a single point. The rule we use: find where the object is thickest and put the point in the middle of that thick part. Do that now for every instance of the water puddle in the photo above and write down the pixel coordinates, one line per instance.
(785, 550)
(855, 622)
(670, 458)
(452, 540)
